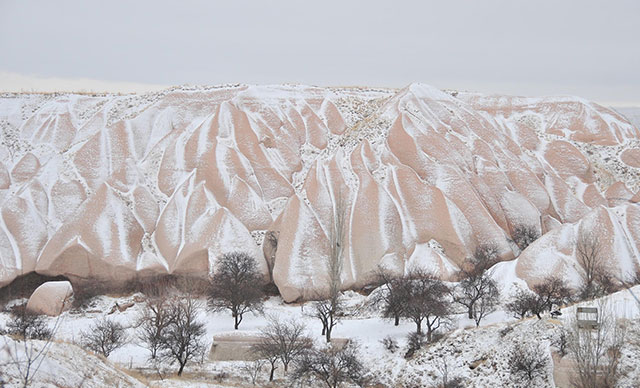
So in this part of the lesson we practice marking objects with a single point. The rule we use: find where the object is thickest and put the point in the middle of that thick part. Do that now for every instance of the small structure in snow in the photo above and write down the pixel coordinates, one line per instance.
(587, 317)
(233, 347)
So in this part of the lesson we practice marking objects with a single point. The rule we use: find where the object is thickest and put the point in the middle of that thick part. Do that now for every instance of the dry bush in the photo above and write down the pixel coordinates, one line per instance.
(528, 364)
(390, 344)
(332, 366)
(28, 325)
(524, 235)
(85, 292)
(561, 341)
(415, 342)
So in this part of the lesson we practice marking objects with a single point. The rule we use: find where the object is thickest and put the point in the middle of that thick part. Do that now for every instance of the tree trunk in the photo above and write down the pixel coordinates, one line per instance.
(273, 369)
(181, 368)
(328, 335)
(235, 317)
(397, 320)
(419, 327)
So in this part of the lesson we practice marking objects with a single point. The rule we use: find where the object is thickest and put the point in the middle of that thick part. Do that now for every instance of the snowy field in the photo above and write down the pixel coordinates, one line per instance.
(462, 347)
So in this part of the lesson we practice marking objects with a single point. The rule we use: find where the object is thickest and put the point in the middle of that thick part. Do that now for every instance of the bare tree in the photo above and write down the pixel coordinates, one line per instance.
(253, 369)
(389, 295)
(597, 280)
(477, 283)
(283, 340)
(155, 317)
(329, 309)
(104, 336)
(485, 306)
(552, 291)
(426, 301)
(271, 239)
(524, 235)
(265, 350)
(181, 339)
(447, 380)
(597, 351)
(333, 366)
(521, 304)
(235, 286)
(528, 364)
(290, 339)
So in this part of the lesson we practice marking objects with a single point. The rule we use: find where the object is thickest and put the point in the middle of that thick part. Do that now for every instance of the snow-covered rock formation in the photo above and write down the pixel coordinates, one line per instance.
(113, 187)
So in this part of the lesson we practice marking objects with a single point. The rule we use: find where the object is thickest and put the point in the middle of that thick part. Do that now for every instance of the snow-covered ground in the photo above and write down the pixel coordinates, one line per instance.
(463, 346)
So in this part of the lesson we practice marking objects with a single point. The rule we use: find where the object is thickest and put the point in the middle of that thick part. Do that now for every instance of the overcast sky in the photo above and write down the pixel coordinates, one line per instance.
(587, 48)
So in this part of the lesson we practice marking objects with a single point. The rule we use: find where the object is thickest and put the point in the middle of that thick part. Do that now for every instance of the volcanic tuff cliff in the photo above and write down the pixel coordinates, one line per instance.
(113, 187)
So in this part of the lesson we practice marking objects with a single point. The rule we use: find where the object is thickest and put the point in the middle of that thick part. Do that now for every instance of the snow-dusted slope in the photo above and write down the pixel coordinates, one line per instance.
(111, 187)
(57, 365)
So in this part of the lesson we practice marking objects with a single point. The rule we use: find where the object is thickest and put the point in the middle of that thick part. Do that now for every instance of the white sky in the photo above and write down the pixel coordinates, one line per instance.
(587, 48)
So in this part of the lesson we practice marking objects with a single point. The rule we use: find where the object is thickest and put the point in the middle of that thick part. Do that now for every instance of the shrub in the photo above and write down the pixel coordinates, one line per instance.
(333, 366)
(415, 342)
(524, 235)
(390, 344)
(28, 325)
(528, 364)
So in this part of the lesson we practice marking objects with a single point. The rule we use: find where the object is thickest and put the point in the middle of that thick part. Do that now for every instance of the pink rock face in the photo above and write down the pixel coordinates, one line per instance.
(618, 193)
(26, 168)
(51, 298)
(111, 187)
(568, 161)
(67, 196)
(103, 241)
(5, 179)
(145, 208)
(631, 157)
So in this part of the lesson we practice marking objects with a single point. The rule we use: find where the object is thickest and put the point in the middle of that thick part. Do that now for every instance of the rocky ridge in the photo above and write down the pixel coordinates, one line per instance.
(112, 187)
